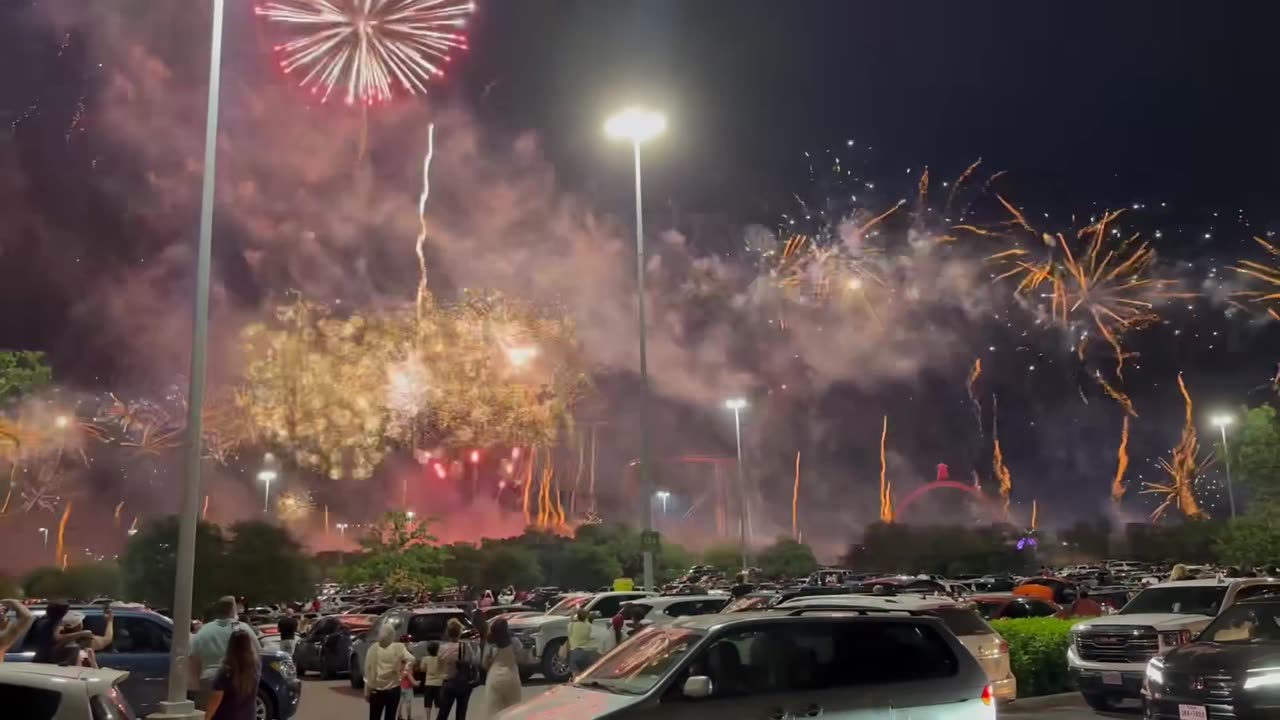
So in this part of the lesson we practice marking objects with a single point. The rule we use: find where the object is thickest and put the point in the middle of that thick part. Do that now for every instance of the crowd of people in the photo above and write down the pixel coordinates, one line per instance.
(452, 671)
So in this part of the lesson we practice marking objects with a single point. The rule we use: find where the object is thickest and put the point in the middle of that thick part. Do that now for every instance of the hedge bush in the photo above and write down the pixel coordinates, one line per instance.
(1038, 653)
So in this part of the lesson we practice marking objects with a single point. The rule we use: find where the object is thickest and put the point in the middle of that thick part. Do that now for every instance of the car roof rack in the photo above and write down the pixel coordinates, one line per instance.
(833, 607)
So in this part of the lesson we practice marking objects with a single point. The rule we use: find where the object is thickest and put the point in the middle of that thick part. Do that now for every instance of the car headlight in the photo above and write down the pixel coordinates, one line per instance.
(286, 668)
(1175, 638)
(1155, 672)
(1262, 677)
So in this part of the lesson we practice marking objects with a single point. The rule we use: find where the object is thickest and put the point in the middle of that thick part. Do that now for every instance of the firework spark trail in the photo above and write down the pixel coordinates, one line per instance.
(922, 192)
(955, 187)
(1034, 515)
(528, 484)
(1115, 394)
(1184, 468)
(424, 294)
(972, 386)
(998, 468)
(886, 495)
(62, 529)
(368, 46)
(1122, 463)
(795, 501)
(133, 526)
(1018, 218)
(119, 507)
(204, 509)
(865, 227)
(1268, 274)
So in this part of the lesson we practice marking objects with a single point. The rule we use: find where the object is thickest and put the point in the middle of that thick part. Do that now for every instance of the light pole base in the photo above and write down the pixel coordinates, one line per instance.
(648, 571)
(181, 710)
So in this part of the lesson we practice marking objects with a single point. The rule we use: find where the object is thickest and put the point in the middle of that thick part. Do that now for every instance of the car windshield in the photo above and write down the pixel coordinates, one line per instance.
(750, 602)
(1245, 623)
(569, 606)
(635, 666)
(1187, 600)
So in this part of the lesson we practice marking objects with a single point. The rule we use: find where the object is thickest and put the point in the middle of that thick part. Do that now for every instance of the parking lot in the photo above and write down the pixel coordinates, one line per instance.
(336, 700)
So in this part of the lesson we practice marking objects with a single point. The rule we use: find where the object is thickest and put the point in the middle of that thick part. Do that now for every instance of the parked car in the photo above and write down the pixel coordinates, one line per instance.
(326, 646)
(543, 598)
(541, 636)
(1232, 670)
(998, 606)
(494, 611)
(1108, 655)
(422, 625)
(796, 664)
(666, 609)
(983, 642)
(30, 691)
(141, 647)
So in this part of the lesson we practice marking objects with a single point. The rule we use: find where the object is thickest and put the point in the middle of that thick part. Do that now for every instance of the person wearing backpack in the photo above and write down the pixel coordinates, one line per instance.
(461, 664)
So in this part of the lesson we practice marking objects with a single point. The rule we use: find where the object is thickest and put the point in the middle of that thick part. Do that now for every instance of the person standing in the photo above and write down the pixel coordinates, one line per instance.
(502, 667)
(405, 711)
(233, 693)
(209, 647)
(486, 600)
(433, 677)
(288, 627)
(11, 630)
(461, 672)
(581, 644)
(382, 668)
(45, 632)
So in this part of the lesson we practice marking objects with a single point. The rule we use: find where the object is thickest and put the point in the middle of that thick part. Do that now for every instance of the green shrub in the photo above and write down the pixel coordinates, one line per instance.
(1038, 653)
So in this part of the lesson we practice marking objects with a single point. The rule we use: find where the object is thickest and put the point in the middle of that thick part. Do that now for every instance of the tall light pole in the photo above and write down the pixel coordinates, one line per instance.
(637, 126)
(45, 532)
(663, 495)
(177, 706)
(1222, 421)
(737, 405)
(266, 476)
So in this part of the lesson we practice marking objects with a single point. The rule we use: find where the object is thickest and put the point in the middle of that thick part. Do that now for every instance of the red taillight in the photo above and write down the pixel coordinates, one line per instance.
(987, 696)
(1004, 648)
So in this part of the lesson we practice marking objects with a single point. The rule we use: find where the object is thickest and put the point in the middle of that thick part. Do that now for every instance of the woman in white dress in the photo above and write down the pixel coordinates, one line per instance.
(503, 667)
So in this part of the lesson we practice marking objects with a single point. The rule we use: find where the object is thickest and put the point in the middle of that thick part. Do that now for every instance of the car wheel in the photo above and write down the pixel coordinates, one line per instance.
(553, 667)
(326, 668)
(357, 682)
(262, 706)
(1098, 702)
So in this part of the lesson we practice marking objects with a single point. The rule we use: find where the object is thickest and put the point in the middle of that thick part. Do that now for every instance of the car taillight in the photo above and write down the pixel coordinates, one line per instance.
(1004, 647)
(987, 696)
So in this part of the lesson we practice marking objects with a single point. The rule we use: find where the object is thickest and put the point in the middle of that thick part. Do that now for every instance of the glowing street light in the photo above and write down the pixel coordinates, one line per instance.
(737, 405)
(61, 422)
(342, 529)
(1222, 421)
(267, 475)
(637, 125)
(45, 532)
(474, 457)
(409, 514)
(663, 495)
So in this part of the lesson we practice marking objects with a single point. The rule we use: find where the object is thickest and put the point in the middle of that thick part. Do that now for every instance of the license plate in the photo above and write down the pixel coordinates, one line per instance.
(1112, 678)
(1192, 712)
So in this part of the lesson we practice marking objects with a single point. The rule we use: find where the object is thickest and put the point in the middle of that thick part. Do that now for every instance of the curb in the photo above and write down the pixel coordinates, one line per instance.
(1039, 702)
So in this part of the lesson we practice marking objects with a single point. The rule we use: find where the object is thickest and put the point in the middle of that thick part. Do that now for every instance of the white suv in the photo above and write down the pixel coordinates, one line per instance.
(541, 636)
(1108, 655)
(35, 691)
(984, 643)
(809, 662)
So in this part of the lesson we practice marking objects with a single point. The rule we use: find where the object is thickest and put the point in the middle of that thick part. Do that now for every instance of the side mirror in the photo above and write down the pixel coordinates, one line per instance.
(698, 686)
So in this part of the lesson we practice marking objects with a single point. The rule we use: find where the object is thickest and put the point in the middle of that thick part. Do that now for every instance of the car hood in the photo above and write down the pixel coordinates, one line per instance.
(1211, 658)
(568, 701)
(1159, 621)
(534, 622)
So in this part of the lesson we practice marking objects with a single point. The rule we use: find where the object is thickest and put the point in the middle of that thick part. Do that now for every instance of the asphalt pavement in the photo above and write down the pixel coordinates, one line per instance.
(336, 700)
(1065, 707)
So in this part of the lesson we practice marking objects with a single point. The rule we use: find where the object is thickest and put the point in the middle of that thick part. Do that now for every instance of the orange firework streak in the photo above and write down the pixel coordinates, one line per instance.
(1125, 403)
(1184, 468)
(119, 507)
(1034, 513)
(204, 510)
(1269, 275)
(960, 181)
(886, 495)
(972, 386)
(922, 192)
(528, 483)
(877, 219)
(998, 468)
(795, 501)
(62, 530)
(1122, 463)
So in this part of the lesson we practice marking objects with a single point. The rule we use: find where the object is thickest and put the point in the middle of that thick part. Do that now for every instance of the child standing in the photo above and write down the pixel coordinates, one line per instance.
(405, 710)
(434, 672)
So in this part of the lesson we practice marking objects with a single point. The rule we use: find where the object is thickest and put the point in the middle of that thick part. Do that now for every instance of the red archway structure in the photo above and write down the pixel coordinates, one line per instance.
(916, 494)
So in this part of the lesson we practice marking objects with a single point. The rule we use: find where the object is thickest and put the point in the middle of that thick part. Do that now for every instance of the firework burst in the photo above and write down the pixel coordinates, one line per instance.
(1269, 277)
(365, 49)
(295, 506)
(1184, 467)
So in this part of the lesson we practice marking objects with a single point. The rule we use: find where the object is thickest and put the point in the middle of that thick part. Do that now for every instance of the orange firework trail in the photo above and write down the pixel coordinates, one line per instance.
(528, 484)
(922, 192)
(1115, 394)
(62, 529)
(998, 468)
(795, 501)
(1122, 463)
(1034, 515)
(862, 231)
(119, 507)
(972, 386)
(1268, 274)
(1184, 468)
(133, 526)
(955, 187)
(204, 511)
(886, 494)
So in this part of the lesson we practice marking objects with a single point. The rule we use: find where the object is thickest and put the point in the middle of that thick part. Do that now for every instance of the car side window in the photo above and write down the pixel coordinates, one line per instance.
(28, 702)
(139, 635)
(1039, 608)
(1016, 609)
(322, 629)
(1257, 591)
(736, 663)
(609, 606)
(427, 627)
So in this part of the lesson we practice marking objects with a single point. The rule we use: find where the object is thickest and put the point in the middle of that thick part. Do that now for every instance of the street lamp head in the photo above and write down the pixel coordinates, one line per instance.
(475, 456)
(409, 514)
(636, 125)
(663, 494)
(1222, 420)
(44, 530)
(61, 422)
(267, 475)
(735, 403)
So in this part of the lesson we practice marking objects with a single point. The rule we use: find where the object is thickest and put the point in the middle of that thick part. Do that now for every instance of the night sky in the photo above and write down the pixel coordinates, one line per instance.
(1164, 107)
